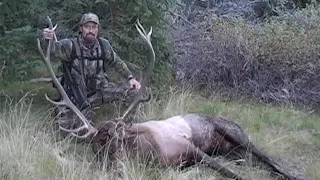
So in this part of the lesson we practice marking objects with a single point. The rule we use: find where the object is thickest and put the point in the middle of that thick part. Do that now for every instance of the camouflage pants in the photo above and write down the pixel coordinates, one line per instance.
(111, 92)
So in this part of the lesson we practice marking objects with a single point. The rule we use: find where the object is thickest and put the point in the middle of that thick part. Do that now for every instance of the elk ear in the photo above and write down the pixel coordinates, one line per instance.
(132, 131)
(96, 147)
(121, 128)
(111, 128)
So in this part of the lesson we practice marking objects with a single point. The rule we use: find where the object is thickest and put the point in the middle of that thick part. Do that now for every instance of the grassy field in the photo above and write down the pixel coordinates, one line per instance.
(30, 150)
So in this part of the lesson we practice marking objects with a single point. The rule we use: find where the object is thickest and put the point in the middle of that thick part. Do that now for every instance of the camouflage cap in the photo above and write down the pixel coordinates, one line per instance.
(89, 17)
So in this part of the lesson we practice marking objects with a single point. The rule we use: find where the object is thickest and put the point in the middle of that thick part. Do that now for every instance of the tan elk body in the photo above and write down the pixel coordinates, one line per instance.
(177, 141)
(181, 141)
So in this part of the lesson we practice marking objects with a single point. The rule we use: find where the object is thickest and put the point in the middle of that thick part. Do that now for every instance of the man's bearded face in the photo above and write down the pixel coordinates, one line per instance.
(89, 32)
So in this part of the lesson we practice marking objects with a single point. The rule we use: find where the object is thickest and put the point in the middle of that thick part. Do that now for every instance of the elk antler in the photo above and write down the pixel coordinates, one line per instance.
(65, 99)
(139, 97)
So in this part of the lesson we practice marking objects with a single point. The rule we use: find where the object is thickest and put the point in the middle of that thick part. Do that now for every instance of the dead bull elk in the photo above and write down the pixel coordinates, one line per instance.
(178, 141)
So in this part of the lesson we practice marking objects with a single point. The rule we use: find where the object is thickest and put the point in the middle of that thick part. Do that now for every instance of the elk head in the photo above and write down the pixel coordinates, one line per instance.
(109, 139)
(106, 130)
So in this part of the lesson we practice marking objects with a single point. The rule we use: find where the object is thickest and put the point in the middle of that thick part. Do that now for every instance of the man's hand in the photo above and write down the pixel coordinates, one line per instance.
(48, 33)
(134, 84)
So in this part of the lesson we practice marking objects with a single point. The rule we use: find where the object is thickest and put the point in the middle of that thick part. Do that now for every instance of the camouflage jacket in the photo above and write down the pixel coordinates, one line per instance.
(87, 65)
(84, 67)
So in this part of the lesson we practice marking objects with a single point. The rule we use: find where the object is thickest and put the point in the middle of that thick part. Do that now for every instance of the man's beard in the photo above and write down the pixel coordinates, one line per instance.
(90, 39)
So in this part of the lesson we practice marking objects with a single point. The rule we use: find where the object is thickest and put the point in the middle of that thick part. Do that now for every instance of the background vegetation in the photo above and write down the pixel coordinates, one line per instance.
(22, 22)
(274, 59)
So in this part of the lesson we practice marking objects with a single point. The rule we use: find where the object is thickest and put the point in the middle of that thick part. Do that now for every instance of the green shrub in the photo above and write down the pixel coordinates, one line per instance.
(117, 24)
(17, 59)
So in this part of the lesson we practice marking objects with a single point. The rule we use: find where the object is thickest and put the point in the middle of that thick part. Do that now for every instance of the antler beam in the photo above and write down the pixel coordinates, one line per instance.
(65, 99)
(144, 81)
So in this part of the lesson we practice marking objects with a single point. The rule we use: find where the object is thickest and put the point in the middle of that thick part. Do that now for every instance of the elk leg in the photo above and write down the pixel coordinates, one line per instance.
(241, 141)
(272, 164)
(204, 158)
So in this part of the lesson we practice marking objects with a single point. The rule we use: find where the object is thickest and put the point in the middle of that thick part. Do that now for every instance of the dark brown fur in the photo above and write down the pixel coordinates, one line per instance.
(114, 137)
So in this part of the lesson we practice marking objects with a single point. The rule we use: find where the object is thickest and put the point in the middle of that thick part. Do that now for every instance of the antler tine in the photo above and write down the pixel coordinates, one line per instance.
(139, 98)
(147, 38)
(140, 27)
(134, 104)
(65, 99)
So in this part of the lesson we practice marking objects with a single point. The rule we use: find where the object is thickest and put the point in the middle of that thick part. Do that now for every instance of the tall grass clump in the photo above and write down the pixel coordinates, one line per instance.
(176, 101)
(24, 152)
(274, 61)
(29, 149)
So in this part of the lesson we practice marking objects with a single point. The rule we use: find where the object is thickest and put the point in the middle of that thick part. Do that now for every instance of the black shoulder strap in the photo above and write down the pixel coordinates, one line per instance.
(103, 53)
(75, 52)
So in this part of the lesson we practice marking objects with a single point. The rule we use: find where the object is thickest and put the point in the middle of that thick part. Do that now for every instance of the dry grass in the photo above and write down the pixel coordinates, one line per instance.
(29, 149)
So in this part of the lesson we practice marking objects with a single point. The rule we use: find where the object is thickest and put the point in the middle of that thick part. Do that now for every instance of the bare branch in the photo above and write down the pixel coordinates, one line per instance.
(183, 18)
(3, 67)
(41, 80)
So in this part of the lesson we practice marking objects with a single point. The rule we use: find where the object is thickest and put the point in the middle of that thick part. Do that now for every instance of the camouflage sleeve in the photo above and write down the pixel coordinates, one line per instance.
(113, 60)
(62, 49)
